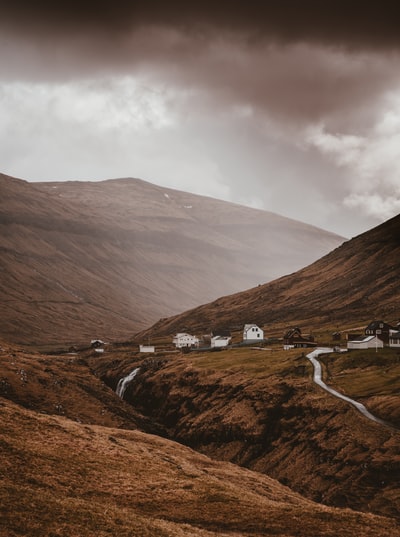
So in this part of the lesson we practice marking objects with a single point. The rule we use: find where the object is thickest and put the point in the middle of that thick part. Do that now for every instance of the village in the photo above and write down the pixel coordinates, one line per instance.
(376, 335)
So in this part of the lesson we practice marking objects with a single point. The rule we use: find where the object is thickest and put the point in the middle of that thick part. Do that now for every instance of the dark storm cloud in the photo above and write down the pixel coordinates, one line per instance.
(256, 102)
(348, 22)
(262, 53)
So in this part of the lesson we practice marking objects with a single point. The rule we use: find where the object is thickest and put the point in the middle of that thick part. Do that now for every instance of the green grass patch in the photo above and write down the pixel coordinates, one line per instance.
(252, 362)
(365, 373)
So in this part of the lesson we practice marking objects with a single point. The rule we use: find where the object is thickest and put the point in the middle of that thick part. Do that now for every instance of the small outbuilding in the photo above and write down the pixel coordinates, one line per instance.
(220, 341)
(146, 348)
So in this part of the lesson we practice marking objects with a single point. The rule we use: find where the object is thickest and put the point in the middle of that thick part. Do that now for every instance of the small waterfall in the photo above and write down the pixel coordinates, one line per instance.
(123, 383)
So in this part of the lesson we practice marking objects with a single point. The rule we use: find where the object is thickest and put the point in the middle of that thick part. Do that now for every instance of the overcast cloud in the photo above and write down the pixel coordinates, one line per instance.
(289, 107)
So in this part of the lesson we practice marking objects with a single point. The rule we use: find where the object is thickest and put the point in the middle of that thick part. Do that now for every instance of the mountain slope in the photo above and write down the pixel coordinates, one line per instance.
(83, 259)
(90, 480)
(356, 282)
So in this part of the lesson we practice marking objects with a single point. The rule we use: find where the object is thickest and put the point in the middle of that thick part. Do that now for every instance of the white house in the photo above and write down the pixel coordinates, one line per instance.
(220, 341)
(252, 332)
(365, 342)
(146, 348)
(394, 339)
(185, 340)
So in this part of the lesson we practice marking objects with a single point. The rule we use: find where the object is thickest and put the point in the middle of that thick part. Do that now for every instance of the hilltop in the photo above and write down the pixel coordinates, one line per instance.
(356, 282)
(83, 260)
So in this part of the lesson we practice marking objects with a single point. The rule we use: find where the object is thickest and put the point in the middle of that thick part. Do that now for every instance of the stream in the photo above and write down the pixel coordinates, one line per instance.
(123, 383)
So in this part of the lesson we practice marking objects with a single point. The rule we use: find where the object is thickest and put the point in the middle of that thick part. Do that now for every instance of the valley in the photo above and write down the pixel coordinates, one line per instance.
(261, 410)
(239, 442)
(270, 447)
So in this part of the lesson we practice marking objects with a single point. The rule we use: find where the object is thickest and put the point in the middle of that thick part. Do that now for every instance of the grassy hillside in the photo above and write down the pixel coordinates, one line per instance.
(62, 478)
(371, 377)
(355, 283)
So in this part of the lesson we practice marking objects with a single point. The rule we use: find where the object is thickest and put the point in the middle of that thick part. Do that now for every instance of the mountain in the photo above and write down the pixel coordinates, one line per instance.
(356, 282)
(84, 260)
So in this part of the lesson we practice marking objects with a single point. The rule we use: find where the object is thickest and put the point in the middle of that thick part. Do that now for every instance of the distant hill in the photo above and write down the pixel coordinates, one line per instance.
(355, 283)
(81, 260)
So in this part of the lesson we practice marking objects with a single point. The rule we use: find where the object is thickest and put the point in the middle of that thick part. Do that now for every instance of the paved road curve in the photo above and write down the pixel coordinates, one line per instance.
(318, 380)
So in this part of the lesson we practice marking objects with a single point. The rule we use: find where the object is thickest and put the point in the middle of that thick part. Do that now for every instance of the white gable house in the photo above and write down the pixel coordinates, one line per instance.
(185, 340)
(365, 342)
(252, 332)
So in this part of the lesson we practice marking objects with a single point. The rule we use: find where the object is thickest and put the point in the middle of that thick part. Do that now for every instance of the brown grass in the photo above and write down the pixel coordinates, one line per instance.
(65, 477)
(260, 409)
(251, 362)
(369, 376)
(61, 478)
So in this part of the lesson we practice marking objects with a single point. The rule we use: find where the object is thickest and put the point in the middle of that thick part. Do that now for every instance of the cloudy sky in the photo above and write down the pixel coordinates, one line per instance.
(287, 106)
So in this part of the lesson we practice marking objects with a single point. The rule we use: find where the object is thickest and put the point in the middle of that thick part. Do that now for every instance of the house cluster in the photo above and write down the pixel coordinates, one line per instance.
(376, 335)
(220, 339)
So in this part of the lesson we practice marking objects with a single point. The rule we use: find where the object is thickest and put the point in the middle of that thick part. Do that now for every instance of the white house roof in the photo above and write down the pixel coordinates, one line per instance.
(363, 339)
(183, 334)
(248, 326)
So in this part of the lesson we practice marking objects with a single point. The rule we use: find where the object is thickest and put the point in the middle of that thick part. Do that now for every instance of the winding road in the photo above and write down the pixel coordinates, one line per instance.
(318, 380)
